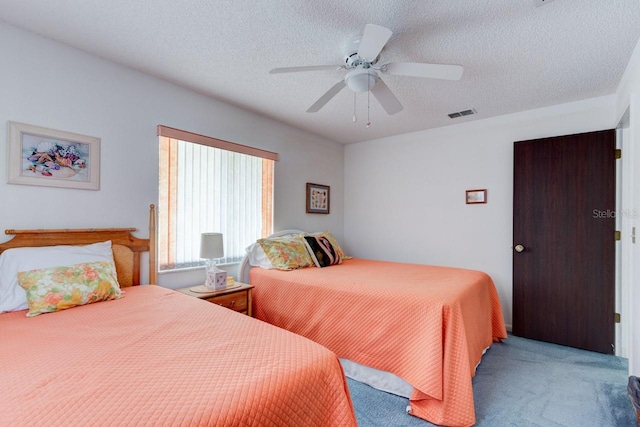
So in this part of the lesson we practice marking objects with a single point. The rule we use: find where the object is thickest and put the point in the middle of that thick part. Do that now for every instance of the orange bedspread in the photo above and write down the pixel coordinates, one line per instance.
(158, 357)
(428, 325)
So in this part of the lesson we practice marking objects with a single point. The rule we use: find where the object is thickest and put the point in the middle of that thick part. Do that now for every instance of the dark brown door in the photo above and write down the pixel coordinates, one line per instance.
(564, 241)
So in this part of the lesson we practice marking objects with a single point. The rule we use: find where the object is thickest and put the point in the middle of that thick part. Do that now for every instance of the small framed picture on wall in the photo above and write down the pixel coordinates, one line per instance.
(318, 198)
(476, 196)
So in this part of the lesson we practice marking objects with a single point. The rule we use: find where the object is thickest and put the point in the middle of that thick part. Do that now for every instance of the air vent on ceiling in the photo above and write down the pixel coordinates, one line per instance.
(539, 3)
(462, 113)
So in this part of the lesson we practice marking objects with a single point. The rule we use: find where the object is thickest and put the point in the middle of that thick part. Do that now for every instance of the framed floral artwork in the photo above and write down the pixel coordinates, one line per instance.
(318, 198)
(52, 158)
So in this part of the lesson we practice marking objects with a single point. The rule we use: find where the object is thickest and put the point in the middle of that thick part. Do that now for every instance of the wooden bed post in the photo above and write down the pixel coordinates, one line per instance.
(152, 245)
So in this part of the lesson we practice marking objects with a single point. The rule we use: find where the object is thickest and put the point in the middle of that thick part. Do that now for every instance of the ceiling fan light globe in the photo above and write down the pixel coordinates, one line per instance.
(361, 80)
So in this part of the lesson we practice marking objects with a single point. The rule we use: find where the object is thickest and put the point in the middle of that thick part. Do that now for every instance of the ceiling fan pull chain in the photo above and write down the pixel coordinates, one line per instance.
(355, 118)
(368, 103)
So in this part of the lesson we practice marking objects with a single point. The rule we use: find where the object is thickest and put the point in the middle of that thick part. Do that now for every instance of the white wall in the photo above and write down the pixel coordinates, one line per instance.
(47, 84)
(405, 195)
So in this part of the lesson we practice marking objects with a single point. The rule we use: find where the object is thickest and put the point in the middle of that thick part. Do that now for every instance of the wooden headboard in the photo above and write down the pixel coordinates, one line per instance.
(126, 247)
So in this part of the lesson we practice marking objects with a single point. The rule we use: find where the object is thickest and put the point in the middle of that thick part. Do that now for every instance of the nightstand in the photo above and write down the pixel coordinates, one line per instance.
(237, 298)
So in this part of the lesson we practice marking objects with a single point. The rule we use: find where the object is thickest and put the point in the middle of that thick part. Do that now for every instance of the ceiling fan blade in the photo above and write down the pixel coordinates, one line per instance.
(307, 68)
(327, 97)
(386, 98)
(373, 40)
(416, 69)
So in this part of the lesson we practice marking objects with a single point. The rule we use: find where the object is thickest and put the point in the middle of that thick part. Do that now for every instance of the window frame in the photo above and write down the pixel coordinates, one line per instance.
(166, 241)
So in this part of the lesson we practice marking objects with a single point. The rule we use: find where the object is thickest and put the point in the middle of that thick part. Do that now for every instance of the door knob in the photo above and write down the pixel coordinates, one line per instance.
(519, 248)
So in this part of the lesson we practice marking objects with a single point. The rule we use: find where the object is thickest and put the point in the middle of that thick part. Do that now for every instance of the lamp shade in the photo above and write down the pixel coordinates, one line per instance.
(211, 246)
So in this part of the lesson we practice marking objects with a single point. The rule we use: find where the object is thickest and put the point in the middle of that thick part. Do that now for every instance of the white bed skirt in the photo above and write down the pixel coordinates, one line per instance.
(381, 380)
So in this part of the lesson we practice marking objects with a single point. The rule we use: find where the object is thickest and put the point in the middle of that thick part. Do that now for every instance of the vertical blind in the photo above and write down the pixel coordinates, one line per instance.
(204, 188)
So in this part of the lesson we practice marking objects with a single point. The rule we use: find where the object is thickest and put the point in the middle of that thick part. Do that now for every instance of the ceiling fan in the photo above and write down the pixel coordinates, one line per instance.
(361, 58)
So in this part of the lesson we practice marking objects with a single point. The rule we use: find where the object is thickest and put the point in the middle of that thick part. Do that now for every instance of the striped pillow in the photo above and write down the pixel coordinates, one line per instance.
(322, 251)
(332, 240)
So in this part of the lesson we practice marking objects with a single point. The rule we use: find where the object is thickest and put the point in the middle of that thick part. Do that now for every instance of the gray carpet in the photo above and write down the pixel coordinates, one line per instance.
(525, 383)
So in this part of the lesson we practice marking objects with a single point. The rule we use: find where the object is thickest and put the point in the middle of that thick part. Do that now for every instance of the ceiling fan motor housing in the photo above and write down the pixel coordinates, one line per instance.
(352, 60)
(361, 79)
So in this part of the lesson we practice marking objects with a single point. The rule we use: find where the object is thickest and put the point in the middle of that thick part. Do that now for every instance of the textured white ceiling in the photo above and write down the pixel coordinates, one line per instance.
(516, 56)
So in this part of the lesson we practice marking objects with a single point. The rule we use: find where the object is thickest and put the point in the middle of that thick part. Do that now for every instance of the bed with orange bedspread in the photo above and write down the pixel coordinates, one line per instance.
(427, 325)
(152, 357)
(158, 357)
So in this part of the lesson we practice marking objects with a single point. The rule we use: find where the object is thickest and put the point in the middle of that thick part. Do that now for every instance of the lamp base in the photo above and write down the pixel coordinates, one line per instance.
(216, 279)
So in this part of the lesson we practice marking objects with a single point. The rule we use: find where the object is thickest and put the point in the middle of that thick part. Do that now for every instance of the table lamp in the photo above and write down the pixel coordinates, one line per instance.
(211, 248)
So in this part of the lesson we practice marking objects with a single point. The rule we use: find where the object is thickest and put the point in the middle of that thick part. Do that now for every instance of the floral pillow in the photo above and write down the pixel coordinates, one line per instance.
(286, 253)
(58, 288)
(13, 260)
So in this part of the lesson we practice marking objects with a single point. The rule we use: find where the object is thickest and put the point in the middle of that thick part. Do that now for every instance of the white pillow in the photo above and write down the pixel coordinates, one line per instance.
(12, 261)
(257, 257)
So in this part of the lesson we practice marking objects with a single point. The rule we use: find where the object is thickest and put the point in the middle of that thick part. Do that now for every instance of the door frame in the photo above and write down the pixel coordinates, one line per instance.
(624, 217)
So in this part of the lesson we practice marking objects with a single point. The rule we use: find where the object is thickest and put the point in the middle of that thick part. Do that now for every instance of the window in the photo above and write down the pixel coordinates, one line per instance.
(210, 185)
